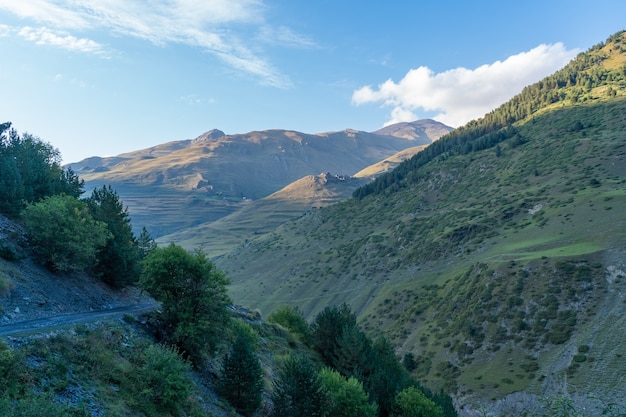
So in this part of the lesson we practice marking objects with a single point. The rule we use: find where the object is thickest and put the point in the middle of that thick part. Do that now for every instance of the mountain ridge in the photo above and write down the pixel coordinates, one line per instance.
(213, 175)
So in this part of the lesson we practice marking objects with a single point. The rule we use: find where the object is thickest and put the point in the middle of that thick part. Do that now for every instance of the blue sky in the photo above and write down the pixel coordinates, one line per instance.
(102, 77)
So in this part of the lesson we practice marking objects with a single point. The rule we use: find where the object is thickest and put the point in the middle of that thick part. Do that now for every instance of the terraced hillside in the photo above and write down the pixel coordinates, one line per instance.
(496, 257)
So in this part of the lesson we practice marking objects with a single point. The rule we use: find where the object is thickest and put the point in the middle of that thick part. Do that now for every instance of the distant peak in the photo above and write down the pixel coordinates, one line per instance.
(210, 135)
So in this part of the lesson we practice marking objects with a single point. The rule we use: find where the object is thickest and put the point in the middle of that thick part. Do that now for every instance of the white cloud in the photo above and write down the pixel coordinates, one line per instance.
(205, 24)
(45, 36)
(460, 95)
(5, 31)
(282, 35)
(193, 99)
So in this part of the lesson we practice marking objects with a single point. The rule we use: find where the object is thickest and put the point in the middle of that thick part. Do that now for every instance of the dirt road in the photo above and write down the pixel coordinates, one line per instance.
(54, 322)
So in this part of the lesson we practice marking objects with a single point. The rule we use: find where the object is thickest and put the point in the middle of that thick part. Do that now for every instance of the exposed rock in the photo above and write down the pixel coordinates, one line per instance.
(210, 135)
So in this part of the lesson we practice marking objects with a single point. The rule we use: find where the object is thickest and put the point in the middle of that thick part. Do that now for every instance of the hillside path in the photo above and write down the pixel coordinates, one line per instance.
(46, 324)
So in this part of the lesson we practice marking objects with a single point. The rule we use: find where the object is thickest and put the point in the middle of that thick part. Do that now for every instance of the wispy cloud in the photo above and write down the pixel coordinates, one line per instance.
(5, 31)
(45, 36)
(193, 99)
(225, 28)
(282, 35)
(460, 95)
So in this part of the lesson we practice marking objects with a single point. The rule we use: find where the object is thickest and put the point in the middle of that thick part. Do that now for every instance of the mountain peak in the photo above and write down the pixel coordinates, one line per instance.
(210, 135)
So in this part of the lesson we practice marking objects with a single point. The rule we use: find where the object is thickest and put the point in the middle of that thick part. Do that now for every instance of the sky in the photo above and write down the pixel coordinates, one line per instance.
(103, 77)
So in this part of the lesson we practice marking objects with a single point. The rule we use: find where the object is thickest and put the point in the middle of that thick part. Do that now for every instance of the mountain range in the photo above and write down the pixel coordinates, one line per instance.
(215, 174)
(495, 256)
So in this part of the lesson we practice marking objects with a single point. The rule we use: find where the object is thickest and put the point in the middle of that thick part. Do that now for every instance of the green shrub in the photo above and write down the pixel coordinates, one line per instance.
(293, 319)
(160, 383)
(10, 372)
(345, 396)
(63, 232)
(411, 402)
(6, 285)
(9, 252)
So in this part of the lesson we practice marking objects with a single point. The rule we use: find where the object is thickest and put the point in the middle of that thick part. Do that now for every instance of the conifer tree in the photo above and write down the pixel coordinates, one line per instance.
(328, 327)
(298, 390)
(242, 376)
(118, 260)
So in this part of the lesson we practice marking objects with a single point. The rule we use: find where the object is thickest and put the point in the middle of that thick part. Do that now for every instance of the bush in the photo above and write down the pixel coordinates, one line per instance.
(38, 406)
(411, 402)
(293, 319)
(63, 233)
(10, 377)
(193, 297)
(346, 397)
(161, 382)
(9, 252)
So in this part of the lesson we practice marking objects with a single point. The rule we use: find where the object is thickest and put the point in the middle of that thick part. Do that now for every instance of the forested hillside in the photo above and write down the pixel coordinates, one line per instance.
(494, 258)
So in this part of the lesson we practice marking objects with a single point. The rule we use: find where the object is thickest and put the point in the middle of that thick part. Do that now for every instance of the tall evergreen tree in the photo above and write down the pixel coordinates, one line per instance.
(30, 170)
(242, 376)
(118, 260)
(145, 243)
(11, 187)
(298, 390)
(386, 378)
(327, 328)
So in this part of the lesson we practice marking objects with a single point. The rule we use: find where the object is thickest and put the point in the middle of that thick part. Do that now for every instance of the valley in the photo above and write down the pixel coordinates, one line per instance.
(492, 257)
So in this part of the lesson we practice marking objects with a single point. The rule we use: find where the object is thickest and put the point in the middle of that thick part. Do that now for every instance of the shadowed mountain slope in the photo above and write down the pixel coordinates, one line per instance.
(496, 256)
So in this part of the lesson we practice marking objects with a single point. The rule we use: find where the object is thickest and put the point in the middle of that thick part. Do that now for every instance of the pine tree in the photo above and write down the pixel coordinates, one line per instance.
(298, 390)
(118, 259)
(242, 376)
(145, 243)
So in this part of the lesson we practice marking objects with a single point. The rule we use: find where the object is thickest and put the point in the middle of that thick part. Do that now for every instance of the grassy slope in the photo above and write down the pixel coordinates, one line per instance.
(254, 218)
(264, 215)
(492, 269)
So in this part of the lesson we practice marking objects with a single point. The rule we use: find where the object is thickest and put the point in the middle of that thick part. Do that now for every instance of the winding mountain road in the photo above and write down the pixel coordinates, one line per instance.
(50, 323)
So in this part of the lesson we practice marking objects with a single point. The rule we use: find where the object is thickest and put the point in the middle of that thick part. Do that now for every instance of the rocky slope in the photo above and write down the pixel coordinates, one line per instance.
(31, 291)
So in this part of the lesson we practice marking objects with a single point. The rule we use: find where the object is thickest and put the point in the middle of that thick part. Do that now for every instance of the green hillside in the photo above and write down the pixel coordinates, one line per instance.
(495, 256)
